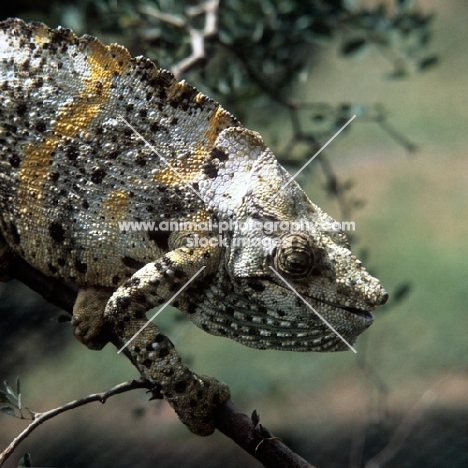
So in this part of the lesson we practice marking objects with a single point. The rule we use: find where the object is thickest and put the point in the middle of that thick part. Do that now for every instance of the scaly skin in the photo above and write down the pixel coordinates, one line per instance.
(72, 169)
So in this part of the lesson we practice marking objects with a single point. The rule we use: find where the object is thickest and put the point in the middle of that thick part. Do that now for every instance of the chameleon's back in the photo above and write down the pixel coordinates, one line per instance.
(71, 168)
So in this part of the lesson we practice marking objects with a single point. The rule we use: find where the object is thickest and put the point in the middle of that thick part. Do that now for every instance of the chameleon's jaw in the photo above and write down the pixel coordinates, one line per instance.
(365, 314)
(359, 312)
(264, 322)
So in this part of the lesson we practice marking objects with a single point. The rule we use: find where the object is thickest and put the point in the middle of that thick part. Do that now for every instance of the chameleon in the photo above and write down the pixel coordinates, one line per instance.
(93, 140)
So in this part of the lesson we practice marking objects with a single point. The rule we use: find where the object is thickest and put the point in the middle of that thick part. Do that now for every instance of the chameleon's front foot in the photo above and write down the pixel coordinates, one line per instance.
(88, 321)
(193, 397)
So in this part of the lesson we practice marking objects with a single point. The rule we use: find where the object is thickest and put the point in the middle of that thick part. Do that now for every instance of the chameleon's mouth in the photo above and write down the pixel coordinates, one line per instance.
(365, 314)
(360, 312)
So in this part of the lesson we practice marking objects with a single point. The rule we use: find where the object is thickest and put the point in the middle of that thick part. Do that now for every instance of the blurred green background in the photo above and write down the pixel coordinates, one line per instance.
(407, 385)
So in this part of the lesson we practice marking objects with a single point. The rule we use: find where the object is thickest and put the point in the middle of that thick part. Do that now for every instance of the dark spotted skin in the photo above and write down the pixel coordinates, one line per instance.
(73, 168)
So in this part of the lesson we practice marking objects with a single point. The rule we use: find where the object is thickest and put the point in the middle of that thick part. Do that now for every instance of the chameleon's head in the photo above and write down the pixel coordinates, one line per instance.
(289, 279)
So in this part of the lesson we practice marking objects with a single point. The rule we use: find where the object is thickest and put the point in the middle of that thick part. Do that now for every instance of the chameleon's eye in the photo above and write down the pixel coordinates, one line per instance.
(294, 256)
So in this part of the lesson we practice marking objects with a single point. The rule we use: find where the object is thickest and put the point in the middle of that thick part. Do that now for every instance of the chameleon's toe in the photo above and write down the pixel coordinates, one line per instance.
(91, 336)
(88, 322)
(195, 405)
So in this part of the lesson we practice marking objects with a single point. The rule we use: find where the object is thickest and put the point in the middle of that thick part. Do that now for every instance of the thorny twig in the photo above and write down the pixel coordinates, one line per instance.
(39, 418)
(228, 419)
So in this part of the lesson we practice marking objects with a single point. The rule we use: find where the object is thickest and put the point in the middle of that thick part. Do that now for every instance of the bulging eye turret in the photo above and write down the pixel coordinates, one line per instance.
(294, 256)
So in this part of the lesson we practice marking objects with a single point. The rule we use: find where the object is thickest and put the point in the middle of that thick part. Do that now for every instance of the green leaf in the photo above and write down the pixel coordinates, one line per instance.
(255, 418)
(401, 71)
(4, 397)
(404, 4)
(428, 62)
(401, 292)
(10, 393)
(8, 388)
(225, 37)
(25, 461)
(8, 410)
(353, 46)
(347, 185)
(303, 22)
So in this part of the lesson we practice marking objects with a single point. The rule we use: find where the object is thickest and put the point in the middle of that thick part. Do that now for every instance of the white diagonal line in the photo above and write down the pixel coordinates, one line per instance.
(313, 310)
(152, 148)
(160, 310)
(319, 151)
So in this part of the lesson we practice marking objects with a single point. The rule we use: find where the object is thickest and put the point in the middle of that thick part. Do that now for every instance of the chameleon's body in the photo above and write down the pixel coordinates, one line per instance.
(71, 169)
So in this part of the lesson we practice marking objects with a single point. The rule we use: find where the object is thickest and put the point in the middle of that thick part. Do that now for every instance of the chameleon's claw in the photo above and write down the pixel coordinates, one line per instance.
(88, 322)
(197, 412)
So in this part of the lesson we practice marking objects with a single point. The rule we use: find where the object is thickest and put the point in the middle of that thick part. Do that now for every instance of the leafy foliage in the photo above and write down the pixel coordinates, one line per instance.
(260, 46)
(11, 398)
(26, 460)
(255, 418)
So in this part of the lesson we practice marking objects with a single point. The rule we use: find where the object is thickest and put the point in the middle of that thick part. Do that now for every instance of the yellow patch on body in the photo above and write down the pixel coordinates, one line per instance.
(74, 117)
(180, 170)
(220, 119)
(114, 207)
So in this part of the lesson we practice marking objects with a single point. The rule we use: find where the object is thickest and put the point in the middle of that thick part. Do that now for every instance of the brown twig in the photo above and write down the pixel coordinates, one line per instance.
(40, 418)
(198, 38)
(210, 8)
(256, 439)
(230, 421)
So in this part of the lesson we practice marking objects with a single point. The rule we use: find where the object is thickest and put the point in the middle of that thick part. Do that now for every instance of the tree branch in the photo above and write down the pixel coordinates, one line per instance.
(210, 8)
(255, 440)
(39, 418)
